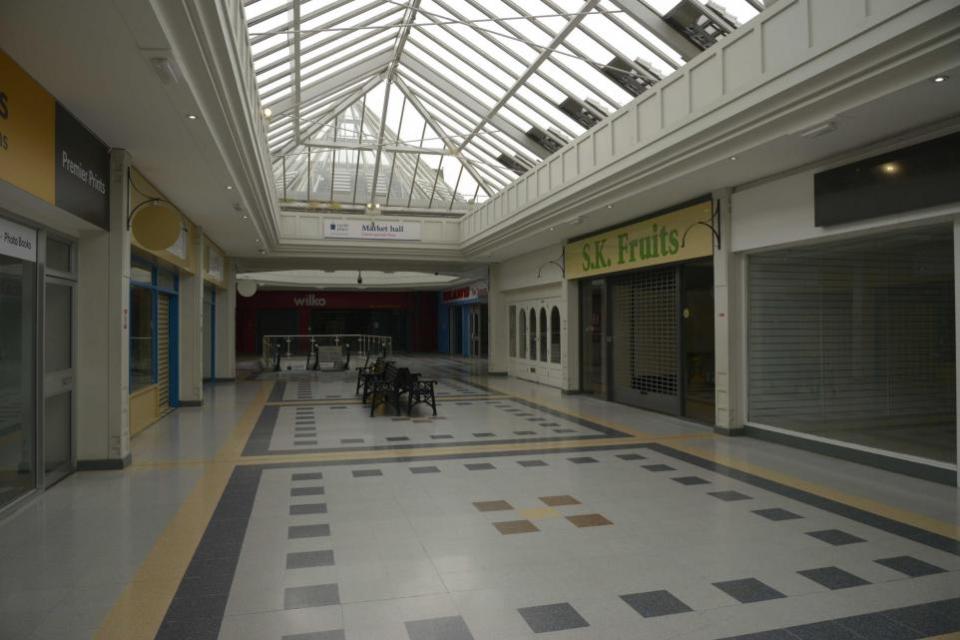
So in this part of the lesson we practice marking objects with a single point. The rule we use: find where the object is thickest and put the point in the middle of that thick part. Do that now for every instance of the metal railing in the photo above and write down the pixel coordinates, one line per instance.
(320, 351)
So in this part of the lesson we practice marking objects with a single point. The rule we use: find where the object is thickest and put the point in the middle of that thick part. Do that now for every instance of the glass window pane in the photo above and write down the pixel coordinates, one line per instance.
(141, 338)
(59, 255)
(523, 333)
(513, 331)
(555, 335)
(141, 274)
(543, 334)
(533, 334)
(58, 342)
(166, 280)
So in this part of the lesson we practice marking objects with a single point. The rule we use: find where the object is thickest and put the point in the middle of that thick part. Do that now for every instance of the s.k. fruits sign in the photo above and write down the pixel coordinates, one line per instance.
(672, 237)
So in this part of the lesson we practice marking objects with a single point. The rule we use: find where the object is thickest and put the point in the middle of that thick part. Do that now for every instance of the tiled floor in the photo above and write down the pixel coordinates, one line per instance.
(631, 525)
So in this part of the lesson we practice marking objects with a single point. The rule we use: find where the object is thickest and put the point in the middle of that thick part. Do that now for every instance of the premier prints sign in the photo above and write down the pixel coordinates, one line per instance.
(650, 242)
(17, 241)
(366, 229)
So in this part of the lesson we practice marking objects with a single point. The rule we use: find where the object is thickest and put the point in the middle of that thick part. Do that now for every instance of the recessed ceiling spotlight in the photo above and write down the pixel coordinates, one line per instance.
(890, 168)
(609, 206)
(267, 112)
(229, 187)
(191, 116)
(258, 240)
(246, 217)
(553, 228)
(941, 79)
(733, 157)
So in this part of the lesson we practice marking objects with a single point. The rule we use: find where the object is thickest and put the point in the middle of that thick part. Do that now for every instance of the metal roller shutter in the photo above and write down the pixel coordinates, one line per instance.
(163, 353)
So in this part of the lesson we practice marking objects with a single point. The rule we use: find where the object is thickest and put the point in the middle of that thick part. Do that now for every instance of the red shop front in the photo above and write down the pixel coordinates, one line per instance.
(410, 318)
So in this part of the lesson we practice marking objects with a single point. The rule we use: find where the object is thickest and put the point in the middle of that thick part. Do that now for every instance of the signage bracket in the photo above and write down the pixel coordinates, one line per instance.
(150, 200)
(713, 225)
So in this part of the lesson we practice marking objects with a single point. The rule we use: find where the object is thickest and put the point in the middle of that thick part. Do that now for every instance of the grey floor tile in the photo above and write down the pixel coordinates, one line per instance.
(479, 466)
(307, 491)
(441, 436)
(307, 476)
(833, 578)
(729, 496)
(305, 559)
(552, 617)
(337, 634)
(485, 434)
(366, 473)
(690, 480)
(828, 630)
(397, 439)
(748, 590)
(835, 537)
(308, 509)
(351, 441)
(451, 628)
(777, 515)
(525, 433)
(424, 470)
(876, 626)
(655, 603)
(305, 443)
(532, 463)
(320, 595)
(308, 531)
(910, 566)
(631, 456)
(564, 430)
(931, 619)
(658, 467)
(582, 460)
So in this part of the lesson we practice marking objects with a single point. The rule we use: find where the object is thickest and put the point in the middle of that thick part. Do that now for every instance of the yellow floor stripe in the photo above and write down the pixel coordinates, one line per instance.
(138, 612)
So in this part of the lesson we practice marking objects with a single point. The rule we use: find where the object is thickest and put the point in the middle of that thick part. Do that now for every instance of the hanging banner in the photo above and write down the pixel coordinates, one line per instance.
(366, 229)
(17, 241)
(672, 237)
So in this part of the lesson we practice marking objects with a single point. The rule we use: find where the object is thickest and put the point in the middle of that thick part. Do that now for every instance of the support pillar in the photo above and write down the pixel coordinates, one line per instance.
(226, 324)
(956, 329)
(191, 327)
(570, 335)
(103, 319)
(498, 342)
(728, 297)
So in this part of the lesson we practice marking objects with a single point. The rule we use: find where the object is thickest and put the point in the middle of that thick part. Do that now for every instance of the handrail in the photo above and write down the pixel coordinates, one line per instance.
(290, 345)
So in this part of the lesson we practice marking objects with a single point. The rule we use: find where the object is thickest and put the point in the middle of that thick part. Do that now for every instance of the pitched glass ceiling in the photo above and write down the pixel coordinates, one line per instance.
(436, 105)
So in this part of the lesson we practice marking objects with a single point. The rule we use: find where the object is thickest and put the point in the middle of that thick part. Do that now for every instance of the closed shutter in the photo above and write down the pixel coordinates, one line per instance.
(854, 341)
(646, 323)
(163, 353)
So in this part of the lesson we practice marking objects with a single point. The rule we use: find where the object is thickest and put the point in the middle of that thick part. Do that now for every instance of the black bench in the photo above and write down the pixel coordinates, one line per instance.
(395, 382)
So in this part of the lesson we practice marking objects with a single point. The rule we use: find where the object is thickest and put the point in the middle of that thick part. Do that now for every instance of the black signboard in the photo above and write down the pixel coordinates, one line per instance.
(83, 171)
(923, 175)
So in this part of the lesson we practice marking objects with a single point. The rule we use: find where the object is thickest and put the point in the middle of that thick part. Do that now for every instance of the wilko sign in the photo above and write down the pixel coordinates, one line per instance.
(310, 300)
(367, 229)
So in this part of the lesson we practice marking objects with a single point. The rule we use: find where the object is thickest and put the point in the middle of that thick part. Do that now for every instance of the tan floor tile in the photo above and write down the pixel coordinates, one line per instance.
(515, 526)
(493, 505)
(559, 501)
(589, 520)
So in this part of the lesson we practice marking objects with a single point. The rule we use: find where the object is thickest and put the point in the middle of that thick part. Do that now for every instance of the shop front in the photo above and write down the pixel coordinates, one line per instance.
(462, 321)
(851, 297)
(53, 185)
(646, 312)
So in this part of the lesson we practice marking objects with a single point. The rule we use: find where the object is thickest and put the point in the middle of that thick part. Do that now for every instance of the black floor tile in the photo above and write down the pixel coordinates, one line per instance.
(307, 491)
(306, 559)
(479, 466)
(777, 514)
(308, 531)
(833, 578)
(483, 435)
(748, 590)
(308, 509)
(655, 603)
(631, 456)
(366, 473)
(821, 631)
(910, 566)
(658, 467)
(320, 595)
(531, 463)
(424, 470)
(729, 496)
(582, 460)
(397, 439)
(451, 628)
(441, 436)
(835, 537)
(552, 617)
(307, 476)
(876, 626)
(690, 480)
(351, 441)
(930, 619)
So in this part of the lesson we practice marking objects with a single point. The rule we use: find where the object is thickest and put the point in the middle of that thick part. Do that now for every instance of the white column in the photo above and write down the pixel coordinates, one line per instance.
(498, 340)
(570, 335)
(103, 319)
(226, 324)
(191, 328)
(728, 326)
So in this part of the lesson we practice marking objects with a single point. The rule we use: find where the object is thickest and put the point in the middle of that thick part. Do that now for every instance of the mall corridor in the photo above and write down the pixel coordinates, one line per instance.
(282, 510)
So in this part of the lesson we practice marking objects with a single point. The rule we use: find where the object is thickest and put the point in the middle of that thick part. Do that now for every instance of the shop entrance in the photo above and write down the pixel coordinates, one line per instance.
(478, 331)
(648, 339)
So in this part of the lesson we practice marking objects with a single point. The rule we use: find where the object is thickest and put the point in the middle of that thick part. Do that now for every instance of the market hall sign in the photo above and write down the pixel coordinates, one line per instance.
(46, 152)
(658, 240)
(366, 229)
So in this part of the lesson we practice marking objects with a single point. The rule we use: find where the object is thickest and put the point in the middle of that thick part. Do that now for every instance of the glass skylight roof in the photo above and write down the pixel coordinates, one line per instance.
(436, 105)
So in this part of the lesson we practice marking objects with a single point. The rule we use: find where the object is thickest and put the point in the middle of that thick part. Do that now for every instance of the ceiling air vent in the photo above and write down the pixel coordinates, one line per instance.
(585, 113)
(551, 139)
(633, 77)
(514, 163)
(702, 24)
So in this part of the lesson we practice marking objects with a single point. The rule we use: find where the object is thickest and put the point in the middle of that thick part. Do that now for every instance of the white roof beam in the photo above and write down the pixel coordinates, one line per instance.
(642, 13)
(344, 77)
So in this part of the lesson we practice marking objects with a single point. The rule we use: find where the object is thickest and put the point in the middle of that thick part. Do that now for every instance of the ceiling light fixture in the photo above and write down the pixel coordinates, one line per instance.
(819, 129)
(941, 79)
(267, 112)
(246, 217)
(229, 187)
(191, 116)
(609, 206)
(733, 157)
